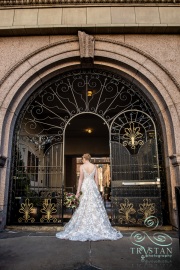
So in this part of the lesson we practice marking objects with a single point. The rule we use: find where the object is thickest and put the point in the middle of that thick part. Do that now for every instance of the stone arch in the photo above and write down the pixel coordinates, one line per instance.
(139, 67)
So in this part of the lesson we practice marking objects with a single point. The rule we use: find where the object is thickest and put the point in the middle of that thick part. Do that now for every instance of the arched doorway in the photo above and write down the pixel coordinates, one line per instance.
(38, 171)
(86, 132)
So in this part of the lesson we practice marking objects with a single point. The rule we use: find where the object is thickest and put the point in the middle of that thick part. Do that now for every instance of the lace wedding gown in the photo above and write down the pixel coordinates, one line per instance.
(90, 220)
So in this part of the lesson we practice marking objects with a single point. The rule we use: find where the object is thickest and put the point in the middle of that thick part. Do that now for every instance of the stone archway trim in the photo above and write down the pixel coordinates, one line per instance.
(36, 52)
(33, 70)
(74, 39)
(141, 53)
(43, 57)
(49, 54)
(36, 63)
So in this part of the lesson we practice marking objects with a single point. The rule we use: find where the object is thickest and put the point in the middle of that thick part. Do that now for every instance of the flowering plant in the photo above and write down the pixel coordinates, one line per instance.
(70, 200)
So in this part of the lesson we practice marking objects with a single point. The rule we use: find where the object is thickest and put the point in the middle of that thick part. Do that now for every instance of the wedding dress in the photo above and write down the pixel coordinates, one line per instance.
(90, 220)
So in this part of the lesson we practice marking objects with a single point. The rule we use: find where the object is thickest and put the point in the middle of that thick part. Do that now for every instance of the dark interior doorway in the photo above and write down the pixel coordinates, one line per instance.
(86, 133)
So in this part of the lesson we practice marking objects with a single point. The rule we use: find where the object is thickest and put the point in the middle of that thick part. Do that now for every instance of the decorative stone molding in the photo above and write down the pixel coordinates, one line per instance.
(85, 2)
(107, 40)
(66, 41)
(86, 44)
(175, 159)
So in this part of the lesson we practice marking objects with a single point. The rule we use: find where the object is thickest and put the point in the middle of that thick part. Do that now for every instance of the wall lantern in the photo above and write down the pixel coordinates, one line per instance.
(89, 130)
(2, 161)
(89, 93)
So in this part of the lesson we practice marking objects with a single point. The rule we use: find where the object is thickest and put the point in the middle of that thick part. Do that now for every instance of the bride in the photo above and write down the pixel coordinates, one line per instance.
(90, 220)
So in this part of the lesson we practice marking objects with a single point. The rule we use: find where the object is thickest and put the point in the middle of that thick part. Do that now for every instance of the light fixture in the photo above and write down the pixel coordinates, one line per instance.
(89, 93)
(89, 130)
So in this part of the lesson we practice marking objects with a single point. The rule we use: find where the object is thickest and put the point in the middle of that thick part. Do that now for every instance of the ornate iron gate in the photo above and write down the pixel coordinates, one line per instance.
(37, 179)
(136, 191)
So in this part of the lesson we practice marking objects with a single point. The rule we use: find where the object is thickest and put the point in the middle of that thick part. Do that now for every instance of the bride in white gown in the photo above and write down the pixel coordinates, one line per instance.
(90, 220)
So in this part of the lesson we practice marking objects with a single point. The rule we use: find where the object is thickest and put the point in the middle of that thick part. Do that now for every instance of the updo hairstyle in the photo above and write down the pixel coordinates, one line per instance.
(87, 156)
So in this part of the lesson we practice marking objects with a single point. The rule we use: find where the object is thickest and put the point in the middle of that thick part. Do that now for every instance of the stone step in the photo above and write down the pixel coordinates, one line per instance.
(54, 228)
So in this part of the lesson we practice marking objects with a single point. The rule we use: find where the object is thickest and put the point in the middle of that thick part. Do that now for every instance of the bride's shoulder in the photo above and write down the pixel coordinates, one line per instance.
(91, 165)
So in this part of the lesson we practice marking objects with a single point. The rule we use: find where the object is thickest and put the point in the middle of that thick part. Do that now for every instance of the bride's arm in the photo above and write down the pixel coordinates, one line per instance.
(80, 182)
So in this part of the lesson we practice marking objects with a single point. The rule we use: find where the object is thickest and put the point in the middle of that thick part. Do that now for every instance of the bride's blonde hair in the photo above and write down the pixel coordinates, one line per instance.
(87, 156)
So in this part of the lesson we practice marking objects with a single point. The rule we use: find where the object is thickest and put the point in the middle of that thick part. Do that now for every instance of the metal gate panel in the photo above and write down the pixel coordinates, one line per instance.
(136, 189)
(37, 174)
(140, 167)
(37, 183)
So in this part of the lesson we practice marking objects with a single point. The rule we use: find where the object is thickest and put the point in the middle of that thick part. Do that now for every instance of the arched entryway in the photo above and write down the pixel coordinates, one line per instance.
(38, 167)
(139, 67)
(86, 132)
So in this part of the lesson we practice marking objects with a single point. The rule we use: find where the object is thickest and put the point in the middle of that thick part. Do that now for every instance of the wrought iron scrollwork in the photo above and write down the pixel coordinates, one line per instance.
(126, 211)
(133, 128)
(38, 165)
(54, 104)
(132, 136)
(134, 211)
(27, 210)
(48, 209)
(147, 208)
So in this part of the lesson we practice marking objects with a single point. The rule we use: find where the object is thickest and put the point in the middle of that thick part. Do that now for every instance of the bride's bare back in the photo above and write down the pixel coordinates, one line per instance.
(89, 167)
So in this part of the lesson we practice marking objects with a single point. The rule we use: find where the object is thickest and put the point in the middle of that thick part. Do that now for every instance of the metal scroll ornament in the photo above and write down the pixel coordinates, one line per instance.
(48, 209)
(126, 210)
(146, 209)
(95, 91)
(132, 136)
(26, 209)
(40, 141)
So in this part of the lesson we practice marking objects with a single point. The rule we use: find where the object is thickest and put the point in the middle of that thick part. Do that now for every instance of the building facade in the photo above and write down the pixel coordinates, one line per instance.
(111, 67)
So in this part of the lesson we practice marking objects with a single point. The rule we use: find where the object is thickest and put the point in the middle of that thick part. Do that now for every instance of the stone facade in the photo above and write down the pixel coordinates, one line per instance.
(149, 61)
(99, 19)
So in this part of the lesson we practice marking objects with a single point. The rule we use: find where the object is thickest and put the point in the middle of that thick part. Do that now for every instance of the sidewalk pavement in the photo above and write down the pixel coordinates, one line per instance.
(38, 250)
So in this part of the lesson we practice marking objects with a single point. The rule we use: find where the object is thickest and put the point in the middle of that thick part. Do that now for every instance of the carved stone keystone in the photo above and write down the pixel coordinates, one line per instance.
(86, 44)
